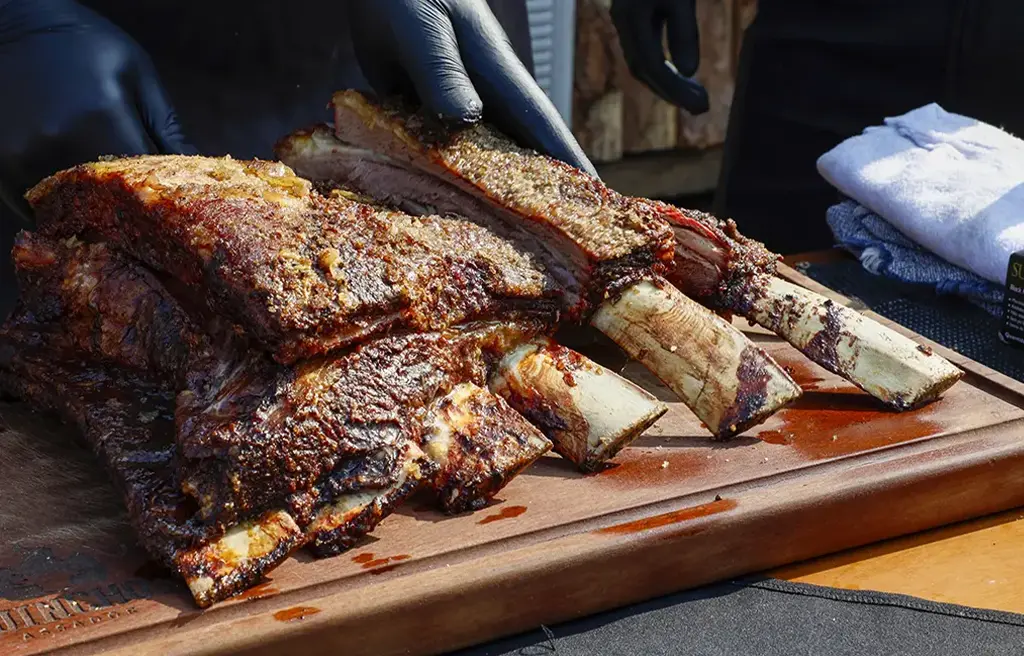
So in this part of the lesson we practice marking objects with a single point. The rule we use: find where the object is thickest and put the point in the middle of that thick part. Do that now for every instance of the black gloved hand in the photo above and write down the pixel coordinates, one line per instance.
(75, 87)
(641, 25)
(456, 58)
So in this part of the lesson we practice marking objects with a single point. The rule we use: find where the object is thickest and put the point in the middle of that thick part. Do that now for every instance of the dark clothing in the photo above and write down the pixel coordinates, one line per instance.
(243, 74)
(816, 72)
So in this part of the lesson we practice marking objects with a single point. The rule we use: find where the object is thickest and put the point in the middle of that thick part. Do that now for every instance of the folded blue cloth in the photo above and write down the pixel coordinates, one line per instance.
(885, 251)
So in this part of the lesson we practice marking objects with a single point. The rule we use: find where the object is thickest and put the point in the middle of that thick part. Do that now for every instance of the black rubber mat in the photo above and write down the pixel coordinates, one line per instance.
(775, 618)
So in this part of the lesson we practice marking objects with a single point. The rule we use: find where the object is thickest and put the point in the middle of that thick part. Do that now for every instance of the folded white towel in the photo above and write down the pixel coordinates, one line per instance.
(950, 183)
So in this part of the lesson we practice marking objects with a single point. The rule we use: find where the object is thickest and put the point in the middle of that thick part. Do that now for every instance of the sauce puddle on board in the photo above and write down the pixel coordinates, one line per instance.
(644, 466)
(257, 592)
(507, 512)
(824, 425)
(295, 614)
(670, 518)
(368, 561)
(805, 374)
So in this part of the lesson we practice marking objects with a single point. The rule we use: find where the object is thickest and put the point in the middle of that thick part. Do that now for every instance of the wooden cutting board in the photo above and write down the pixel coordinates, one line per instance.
(833, 471)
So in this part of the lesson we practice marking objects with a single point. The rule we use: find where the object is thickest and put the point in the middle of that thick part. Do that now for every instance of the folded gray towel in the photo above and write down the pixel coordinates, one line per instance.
(884, 250)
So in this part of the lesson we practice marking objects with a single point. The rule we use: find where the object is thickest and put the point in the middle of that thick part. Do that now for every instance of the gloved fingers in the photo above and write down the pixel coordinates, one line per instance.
(512, 100)
(680, 22)
(651, 67)
(641, 39)
(126, 133)
(158, 116)
(428, 50)
(673, 88)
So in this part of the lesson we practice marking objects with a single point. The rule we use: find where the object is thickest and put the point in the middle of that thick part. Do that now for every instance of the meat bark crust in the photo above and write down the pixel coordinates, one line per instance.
(77, 346)
(107, 305)
(265, 431)
(715, 264)
(603, 231)
(304, 274)
(480, 444)
(127, 419)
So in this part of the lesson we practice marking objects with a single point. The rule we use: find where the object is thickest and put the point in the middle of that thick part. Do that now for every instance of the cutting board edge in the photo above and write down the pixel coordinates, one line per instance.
(972, 461)
(791, 526)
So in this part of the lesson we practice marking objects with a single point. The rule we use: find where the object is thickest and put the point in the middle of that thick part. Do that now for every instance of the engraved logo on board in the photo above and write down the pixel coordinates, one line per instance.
(55, 615)
(45, 595)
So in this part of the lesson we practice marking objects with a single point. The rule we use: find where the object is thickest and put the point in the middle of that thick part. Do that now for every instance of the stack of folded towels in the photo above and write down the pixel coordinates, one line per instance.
(933, 198)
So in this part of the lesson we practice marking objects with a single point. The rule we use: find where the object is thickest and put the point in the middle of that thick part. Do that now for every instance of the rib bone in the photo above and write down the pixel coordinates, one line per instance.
(223, 567)
(480, 444)
(728, 272)
(728, 382)
(586, 410)
(882, 362)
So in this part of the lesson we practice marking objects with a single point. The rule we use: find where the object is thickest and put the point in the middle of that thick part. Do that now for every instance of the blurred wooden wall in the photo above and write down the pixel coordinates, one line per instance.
(615, 115)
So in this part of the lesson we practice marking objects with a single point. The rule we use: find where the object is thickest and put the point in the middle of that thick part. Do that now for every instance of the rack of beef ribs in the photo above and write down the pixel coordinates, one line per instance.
(264, 362)
(100, 340)
(271, 454)
(619, 247)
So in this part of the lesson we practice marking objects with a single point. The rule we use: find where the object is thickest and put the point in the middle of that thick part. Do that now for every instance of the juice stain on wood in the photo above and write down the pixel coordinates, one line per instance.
(822, 425)
(670, 518)
(647, 467)
(775, 437)
(261, 591)
(805, 374)
(369, 561)
(505, 513)
(295, 614)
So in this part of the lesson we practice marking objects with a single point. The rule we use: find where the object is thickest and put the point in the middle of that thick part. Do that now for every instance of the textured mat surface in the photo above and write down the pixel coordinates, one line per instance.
(775, 618)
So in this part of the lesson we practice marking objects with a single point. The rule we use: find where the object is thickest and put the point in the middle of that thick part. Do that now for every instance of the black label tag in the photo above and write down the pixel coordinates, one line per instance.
(1013, 306)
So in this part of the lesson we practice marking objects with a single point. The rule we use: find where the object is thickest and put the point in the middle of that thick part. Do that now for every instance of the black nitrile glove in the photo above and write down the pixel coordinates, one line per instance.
(641, 25)
(456, 58)
(75, 87)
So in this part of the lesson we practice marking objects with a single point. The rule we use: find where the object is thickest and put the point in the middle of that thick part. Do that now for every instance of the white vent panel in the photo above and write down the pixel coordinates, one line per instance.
(553, 35)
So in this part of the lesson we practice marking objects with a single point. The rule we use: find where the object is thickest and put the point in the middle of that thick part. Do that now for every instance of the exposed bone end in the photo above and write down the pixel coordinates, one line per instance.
(226, 566)
(727, 381)
(480, 444)
(881, 361)
(587, 411)
(340, 525)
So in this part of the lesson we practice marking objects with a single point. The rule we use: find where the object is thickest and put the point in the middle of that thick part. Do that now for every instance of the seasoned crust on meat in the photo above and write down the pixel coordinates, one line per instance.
(303, 274)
